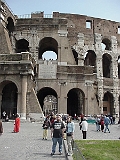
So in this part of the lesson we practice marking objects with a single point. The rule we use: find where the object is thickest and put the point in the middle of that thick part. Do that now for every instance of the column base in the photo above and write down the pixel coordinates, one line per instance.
(23, 116)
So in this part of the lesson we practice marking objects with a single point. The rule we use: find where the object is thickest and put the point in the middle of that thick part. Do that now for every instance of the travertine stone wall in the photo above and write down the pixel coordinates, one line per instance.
(70, 33)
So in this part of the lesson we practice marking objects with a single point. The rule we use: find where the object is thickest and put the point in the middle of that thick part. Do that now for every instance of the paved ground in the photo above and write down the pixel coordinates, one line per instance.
(93, 134)
(28, 143)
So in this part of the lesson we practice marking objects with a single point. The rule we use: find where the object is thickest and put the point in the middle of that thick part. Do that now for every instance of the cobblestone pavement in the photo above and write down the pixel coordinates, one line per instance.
(28, 143)
(93, 134)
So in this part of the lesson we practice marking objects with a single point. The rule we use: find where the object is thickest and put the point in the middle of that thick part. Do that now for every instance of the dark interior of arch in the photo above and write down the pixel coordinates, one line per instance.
(75, 54)
(43, 93)
(10, 25)
(109, 97)
(90, 59)
(22, 45)
(119, 68)
(107, 43)
(9, 100)
(106, 65)
(75, 102)
(47, 44)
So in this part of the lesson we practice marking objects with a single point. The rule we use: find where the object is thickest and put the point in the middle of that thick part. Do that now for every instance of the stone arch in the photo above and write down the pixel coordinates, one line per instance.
(22, 45)
(107, 65)
(107, 43)
(48, 99)
(9, 96)
(108, 103)
(47, 44)
(75, 102)
(10, 79)
(10, 25)
(90, 58)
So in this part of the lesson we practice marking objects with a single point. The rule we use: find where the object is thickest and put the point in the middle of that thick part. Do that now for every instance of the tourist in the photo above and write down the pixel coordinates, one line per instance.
(45, 129)
(57, 133)
(84, 127)
(102, 123)
(70, 127)
(1, 128)
(17, 124)
(4, 115)
(107, 122)
(98, 123)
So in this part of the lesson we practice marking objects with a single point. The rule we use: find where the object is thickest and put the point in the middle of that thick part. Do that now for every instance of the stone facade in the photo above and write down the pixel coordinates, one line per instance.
(84, 78)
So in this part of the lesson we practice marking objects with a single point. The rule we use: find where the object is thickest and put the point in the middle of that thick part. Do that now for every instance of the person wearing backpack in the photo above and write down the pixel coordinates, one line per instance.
(107, 122)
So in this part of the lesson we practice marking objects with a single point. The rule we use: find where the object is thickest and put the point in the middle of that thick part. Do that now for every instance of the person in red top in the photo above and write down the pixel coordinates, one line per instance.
(17, 124)
(102, 123)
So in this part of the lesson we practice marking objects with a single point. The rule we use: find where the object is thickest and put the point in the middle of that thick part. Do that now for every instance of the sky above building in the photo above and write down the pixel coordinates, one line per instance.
(105, 9)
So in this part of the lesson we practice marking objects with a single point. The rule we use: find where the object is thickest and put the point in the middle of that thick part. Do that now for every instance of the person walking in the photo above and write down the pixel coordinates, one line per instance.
(98, 123)
(57, 133)
(84, 127)
(107, 122)
(70, 128)
(4, 115)
(17, 124)
(1, 128)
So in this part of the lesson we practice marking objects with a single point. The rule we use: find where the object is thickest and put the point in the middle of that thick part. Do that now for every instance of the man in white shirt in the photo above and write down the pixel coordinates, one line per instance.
(84, 127)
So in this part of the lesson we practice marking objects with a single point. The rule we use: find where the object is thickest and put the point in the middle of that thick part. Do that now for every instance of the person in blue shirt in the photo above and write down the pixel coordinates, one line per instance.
(70, 128)
(107, 122)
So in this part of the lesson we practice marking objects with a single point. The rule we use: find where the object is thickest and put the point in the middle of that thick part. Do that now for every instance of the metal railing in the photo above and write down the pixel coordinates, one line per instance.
(77, 155)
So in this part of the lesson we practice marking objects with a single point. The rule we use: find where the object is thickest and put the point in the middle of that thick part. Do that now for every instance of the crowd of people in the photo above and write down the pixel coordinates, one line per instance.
(103, 122)
(62, 127)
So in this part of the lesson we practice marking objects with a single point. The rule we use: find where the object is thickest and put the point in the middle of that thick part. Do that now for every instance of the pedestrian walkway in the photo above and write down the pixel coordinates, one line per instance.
(27, 144)
(99, 135)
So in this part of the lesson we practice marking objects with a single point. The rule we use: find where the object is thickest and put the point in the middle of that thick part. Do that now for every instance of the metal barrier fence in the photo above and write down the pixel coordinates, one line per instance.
(77, 155)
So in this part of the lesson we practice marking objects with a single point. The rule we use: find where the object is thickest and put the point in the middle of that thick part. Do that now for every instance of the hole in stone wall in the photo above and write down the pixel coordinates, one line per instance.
(118, 29)
(89, 24)
(106, 43)
(49, 55)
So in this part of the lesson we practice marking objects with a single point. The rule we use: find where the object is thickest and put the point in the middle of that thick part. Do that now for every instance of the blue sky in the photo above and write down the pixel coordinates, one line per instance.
(105, 9)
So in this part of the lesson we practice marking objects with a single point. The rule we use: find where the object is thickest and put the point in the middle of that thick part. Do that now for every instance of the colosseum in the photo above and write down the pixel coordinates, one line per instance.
(83, 79)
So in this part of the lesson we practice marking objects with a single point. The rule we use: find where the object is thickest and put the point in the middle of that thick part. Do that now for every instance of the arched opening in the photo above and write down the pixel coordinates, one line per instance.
(75, 102)
(48, 44)
(108, 104)
(90, 58)
(22, 45)
(48, 100)
(10, 25)
(103, 46)
(107, 44)
(119, 107)
(9, 99)
(107, 65)
(49, 55)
